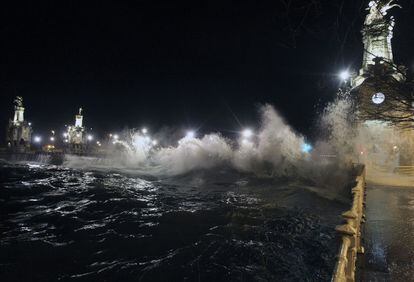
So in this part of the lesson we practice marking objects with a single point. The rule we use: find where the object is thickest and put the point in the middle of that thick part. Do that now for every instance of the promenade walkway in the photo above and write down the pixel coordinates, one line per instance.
(389, 234)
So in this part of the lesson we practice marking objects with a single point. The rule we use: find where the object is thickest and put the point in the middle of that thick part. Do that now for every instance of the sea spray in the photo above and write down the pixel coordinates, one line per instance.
(192, 154)
(275, 150)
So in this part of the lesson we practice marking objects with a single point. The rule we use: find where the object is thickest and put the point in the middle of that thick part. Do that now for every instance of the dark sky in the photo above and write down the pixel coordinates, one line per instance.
(184, 64)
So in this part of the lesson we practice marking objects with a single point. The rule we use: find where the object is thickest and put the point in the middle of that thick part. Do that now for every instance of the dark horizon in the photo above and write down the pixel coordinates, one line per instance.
(183, 65)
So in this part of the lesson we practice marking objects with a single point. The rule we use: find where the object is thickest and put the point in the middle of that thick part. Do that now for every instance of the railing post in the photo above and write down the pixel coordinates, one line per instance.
(350, 232)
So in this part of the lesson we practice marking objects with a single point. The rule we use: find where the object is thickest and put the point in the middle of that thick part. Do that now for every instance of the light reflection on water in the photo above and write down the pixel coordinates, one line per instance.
(74, 225)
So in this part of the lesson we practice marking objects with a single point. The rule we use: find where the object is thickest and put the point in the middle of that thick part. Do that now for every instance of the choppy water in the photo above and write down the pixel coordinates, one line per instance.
(77, 225)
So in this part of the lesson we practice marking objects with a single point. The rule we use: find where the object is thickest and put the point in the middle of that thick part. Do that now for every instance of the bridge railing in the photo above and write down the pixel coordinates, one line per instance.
(350, 232)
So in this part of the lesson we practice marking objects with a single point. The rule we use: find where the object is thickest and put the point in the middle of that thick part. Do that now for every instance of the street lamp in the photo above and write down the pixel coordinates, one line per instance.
(37, 139)
(344, 75)
(190, 134)
(247, 133)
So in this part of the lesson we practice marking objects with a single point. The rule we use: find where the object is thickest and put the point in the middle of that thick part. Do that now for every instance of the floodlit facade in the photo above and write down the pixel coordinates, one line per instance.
(377, 34)
(19, 131)
(76, 134)
(376, 87)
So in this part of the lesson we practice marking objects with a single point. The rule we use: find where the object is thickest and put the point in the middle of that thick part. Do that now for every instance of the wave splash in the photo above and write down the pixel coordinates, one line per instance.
(276, 150)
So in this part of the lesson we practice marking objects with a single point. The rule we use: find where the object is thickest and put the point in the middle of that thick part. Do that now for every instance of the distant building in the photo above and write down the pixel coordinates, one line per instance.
(19, 131)
(76, 135)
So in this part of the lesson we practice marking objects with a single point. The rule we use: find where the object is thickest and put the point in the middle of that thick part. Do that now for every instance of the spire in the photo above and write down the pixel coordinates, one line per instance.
(18, 110)
(376, 37)
(79, 119)
(377, 32)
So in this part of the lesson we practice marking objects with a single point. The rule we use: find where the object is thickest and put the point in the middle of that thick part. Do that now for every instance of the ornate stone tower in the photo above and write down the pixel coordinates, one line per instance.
(376, 36)
(75, 134)
(379, 78)
(19, 131)
(381, 87)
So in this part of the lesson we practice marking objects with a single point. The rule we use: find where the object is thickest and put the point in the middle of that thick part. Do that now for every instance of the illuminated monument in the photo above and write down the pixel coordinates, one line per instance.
(381, 89)
(76, 134)
(379, 79)
(19, 131)
(376, 36)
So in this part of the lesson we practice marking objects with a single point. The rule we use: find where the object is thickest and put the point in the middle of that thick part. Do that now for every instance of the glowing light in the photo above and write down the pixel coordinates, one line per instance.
(190, 134)
(89, 137)
(395, 147)
(66, 141)
(378, 98)
(78, 135)
(344, 75)
(154, 142)
(247, 133)
(52, 139)
(30, 124)
(65, 134)
(144, 130)
(116, 136)
(306, 148)
(37, 139)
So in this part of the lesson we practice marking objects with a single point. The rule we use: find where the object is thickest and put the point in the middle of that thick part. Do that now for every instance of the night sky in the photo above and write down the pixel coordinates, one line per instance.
(185, 64)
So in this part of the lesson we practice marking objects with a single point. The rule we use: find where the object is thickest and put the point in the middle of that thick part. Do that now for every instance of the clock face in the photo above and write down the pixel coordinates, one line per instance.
(378, 98)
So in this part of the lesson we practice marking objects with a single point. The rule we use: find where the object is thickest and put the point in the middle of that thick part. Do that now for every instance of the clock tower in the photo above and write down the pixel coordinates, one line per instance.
(381, 90)
(379, 79)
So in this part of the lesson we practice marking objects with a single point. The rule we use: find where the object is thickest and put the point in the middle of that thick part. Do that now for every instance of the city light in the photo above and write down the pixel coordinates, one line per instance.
(190, 134)
(154, 142)
(116, 136)
(144, 130)
(37, 139)
(65, 134)
(344, 75)
(247, 133)
(52, 139)
(89, 137)
(306, 148)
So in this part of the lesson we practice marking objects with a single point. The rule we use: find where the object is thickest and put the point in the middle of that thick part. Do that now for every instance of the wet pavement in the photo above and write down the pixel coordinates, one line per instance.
(389, 234)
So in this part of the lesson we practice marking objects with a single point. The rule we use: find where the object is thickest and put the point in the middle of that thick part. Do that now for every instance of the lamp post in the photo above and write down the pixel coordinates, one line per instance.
(345, 87)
